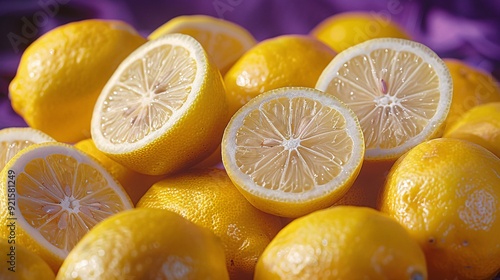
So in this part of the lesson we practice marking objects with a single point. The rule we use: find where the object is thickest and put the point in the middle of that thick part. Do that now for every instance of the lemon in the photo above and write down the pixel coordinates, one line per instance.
(446, 193)
(61, 74)
(54, 194)
(146, 244)
(480, 125)
(18, 263)
(400, 90)
(366, 188)
(135, 184)
(14, 139)
(292, 151)
(471, 87)
(343, 242)
(208, 198)
(347, 29)
(163, 109)
(223, 40)
(288, 60)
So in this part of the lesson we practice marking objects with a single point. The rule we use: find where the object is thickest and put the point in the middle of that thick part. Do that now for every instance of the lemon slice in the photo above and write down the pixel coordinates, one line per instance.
(14, 139)
(54, 194)
(400, 90)
(163, 109)
(223, 40)
(292, 151)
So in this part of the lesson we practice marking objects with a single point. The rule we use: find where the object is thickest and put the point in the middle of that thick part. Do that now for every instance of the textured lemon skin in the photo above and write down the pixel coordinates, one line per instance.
(471, 87)
(193, 136)
(480, 125)
(446, 193)
(146, 244)
(26, 264)
(22, 236)
(62, 73)
(345, 30)
(208, 198)
(343, 242)
(136, 184)
(288, 60)
(286, 208)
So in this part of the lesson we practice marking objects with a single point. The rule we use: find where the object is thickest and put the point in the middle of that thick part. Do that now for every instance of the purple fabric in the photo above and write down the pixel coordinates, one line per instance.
(466, 29)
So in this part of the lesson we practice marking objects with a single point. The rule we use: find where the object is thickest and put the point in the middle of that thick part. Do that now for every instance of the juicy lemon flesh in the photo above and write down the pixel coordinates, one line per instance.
(301, 150)
(62, 198)
(8, 149)
(147, 94)
(394, 94)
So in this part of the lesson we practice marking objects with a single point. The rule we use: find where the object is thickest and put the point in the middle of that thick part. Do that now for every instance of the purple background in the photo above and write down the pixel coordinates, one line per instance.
(468, 30)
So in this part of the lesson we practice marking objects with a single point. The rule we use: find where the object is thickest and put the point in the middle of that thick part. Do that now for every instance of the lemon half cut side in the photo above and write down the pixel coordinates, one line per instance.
(400, 90)
(55, 194)
(292, 151)
(163, 109)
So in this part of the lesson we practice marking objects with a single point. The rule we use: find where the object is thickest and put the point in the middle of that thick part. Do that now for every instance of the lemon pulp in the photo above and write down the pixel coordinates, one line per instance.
(62, 198)
(291, 150)
(149, 91)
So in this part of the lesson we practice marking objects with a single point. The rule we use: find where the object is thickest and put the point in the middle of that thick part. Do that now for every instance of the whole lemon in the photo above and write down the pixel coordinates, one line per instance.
(19, 263)
(347, 29)
(208, 198)
(343, 242)
(471, 87)
(62, 73)
(287, 60)
(446, 193)
(146, 244)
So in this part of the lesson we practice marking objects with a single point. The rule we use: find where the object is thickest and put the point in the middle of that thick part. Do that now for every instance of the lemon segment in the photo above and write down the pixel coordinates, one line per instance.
(163, 92)
(400, 90)
(293, 150)
(59, 194)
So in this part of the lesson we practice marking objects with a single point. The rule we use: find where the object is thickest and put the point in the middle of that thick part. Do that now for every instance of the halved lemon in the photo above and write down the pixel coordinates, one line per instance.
(164, 109)
(223, 40)
(400, 90)
(292, 151)
(51, 195)
(14, 139)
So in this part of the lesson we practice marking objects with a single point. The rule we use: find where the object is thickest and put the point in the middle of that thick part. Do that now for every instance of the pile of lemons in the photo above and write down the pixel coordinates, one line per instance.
(200, 153)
